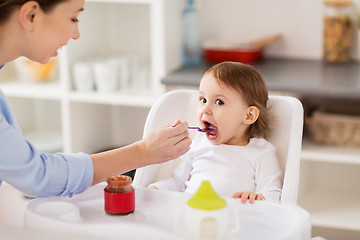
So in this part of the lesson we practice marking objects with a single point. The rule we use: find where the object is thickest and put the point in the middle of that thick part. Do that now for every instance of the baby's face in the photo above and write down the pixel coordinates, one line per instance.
(223, 110)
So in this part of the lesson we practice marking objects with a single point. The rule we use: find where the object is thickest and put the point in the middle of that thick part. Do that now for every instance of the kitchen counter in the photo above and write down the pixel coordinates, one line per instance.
(302, 77)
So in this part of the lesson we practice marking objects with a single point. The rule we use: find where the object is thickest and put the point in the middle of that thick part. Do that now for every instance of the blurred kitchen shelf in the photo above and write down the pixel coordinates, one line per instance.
(327, 193)
(316, 152)
(121, 98)
(45, 141)
(48, 90)
(333, 209)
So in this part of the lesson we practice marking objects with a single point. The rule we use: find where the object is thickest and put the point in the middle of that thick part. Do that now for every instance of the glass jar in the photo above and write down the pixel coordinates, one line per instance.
(119, 195)
(337, 30)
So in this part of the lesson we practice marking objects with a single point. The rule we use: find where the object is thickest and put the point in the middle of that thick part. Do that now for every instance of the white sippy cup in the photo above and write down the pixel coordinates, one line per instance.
(206, 215)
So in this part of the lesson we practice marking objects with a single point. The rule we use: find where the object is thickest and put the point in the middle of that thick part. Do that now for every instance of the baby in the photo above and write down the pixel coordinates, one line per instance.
(234, 156)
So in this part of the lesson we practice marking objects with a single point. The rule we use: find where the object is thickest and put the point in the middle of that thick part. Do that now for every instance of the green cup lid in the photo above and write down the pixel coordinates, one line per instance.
(206, 198)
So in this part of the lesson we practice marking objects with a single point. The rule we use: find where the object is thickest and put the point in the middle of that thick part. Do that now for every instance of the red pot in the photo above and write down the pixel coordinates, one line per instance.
(250, 55)
(219, 51)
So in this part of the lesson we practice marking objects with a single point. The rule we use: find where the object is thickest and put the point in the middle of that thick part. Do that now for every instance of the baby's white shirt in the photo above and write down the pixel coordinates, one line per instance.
(229, 168)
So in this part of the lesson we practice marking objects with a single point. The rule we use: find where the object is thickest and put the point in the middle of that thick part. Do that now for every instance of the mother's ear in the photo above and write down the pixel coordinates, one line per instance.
(28, 13)
(252, 115)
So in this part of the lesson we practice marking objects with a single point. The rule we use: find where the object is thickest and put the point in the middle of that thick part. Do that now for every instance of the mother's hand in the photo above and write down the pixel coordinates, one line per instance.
(166, 143)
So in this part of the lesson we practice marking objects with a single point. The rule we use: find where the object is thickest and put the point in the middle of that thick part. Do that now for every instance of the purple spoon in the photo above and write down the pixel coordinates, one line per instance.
(200, 130)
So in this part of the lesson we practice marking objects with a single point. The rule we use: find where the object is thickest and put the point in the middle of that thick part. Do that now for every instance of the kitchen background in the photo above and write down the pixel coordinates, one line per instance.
(147, 34)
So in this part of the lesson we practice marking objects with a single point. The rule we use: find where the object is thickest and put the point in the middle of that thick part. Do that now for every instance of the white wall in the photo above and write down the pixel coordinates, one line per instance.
(299, 21)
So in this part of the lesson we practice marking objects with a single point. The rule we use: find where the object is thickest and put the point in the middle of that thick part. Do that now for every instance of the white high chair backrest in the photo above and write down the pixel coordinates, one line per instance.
(286, 135)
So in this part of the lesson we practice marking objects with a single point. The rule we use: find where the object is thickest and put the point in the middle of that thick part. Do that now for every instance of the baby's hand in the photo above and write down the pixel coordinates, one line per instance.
(248, 195)
(152, 187)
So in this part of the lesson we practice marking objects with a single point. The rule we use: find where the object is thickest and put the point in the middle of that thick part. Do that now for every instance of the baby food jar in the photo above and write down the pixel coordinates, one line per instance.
(119, 195)
(337, 30)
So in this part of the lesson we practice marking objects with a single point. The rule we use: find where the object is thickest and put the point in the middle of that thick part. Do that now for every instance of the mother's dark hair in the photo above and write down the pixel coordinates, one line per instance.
(7, 7)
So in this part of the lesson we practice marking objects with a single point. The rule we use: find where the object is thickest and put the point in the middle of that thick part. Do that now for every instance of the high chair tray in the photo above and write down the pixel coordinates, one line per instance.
(154, 217)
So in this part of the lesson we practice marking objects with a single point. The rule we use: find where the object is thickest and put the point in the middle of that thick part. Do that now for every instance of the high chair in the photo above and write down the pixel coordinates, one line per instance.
(156, 212)
(286, 135)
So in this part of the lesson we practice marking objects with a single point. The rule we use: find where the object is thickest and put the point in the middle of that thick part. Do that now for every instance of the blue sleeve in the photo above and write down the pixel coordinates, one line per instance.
(36, 173)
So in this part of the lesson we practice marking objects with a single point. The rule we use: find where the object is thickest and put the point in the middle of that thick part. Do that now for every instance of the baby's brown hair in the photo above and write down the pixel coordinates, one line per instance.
(250, 84)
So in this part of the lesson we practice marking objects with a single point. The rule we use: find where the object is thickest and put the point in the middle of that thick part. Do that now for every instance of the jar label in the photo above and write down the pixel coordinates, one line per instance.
(119, 203)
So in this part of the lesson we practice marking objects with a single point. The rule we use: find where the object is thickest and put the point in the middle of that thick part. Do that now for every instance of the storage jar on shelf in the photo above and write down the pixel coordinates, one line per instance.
(337, 30)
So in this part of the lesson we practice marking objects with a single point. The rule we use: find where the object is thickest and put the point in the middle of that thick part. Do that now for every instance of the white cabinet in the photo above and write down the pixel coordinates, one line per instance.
(93, 121)
(330, 190)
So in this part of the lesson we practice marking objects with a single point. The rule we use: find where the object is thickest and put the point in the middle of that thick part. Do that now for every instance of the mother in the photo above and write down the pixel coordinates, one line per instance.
(36, 29)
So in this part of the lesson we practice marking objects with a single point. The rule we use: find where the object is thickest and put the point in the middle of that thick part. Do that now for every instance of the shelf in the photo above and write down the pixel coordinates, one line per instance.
(133, 99)
(298, 76)
(45, 141)
(322, 153)
(49, 90)
(333, 209)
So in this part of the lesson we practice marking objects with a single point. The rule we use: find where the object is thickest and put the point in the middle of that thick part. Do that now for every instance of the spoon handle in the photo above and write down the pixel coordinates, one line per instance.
(200, 130)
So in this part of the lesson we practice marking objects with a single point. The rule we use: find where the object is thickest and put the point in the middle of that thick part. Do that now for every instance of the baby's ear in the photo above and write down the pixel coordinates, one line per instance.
(251, 115)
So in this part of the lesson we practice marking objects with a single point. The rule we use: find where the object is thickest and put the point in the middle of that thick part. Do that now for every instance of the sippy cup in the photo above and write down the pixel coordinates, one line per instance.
(206, 215)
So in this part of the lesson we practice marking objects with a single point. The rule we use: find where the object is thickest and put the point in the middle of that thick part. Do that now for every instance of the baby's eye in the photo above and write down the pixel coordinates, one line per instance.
(203, 100)
(219, 102)
(75, 20)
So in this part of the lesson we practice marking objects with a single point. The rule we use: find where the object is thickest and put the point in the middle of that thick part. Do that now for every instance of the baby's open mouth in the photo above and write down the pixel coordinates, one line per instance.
(209, 126)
